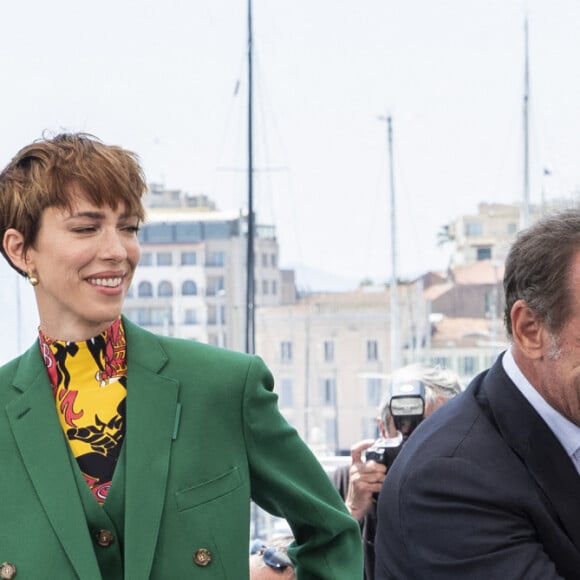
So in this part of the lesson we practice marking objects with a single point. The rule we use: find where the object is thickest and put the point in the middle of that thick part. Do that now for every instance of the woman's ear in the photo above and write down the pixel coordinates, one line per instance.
(13, 244)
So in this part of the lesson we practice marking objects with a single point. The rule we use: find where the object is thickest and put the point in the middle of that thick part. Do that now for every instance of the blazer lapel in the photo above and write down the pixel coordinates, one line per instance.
(44, 452)
(537, 446)
(151, 417)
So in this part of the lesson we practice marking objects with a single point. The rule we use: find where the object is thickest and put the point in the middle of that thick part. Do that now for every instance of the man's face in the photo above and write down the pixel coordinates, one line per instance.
(558, 370)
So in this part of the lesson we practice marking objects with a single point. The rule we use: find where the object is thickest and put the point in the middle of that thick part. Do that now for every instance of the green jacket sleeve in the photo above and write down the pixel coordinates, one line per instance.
(288, 481)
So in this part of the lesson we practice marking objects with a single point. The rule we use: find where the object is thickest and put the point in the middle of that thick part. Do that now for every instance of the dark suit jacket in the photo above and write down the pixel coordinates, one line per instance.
(481, 490)
(203, 436)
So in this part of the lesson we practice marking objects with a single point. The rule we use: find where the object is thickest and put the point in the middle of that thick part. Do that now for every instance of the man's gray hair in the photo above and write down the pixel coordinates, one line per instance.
(438, 382)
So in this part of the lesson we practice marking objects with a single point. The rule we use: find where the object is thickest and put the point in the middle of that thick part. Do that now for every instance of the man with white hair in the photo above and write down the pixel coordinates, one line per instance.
(360, 482)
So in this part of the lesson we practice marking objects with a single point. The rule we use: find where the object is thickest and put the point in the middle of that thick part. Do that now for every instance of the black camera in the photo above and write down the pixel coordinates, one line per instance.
(385, 450)
(407, 407)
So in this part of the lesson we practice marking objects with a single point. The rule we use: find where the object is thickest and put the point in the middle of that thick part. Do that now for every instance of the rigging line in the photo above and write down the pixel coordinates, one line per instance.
(268, 119)
(409, 205)
(373, 230)
(235, 102)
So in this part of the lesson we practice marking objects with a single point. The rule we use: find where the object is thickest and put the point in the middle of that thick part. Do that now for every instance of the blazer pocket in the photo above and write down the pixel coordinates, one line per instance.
(208, 490)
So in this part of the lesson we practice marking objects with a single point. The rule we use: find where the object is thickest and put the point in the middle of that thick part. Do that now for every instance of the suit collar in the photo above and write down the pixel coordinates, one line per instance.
(30, 368)
(152, 412)
(145, 348)
(44, 452)
(537, 446)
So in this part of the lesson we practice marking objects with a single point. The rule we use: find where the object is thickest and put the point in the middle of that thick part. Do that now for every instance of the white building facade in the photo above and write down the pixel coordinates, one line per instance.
(191, 281)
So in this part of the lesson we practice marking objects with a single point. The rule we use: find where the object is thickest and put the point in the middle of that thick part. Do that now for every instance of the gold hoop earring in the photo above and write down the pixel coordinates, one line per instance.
(33, 279)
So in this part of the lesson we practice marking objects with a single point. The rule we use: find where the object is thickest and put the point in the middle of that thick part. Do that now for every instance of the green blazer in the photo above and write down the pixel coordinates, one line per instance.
(203, 437)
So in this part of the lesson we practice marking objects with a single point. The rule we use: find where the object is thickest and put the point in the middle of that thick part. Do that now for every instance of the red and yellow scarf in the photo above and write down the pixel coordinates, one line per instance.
(89, 384)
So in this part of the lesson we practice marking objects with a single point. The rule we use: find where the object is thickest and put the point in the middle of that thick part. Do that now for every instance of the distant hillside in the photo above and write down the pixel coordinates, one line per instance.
(314, 280)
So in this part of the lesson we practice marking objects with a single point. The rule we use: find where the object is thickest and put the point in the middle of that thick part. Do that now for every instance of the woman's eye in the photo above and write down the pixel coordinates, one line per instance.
(132, 229)
(85, 230)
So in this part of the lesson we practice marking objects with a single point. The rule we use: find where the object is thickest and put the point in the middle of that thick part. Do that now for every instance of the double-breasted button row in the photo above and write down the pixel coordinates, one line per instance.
(7, 571)
(202, 557)
(105, 538)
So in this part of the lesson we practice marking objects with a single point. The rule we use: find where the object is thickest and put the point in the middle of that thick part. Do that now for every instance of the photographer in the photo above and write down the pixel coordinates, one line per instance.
(360, 483)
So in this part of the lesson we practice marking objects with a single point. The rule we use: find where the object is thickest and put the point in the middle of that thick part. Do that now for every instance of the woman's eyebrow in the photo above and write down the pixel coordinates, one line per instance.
(93, 214)
(87, 214)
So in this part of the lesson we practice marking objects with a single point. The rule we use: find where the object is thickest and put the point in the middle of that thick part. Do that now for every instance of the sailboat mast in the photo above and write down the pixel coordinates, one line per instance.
(394, 311)
(395, 362)
(250, 290)
(526, 111)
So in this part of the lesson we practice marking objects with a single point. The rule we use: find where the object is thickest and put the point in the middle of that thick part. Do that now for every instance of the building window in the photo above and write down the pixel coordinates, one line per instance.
(188, 258)
(469, 366)
(265, 287)
(165, 289)
(441, 361)
(328, 351)
(146, 259)
(215, 285)
(274, 288)
(189, 288)
(264, 260)
(164, 258)
(286, 351)
(286, 393)
(161, 316)
(473, 229)
(483, 253)
(330, 433)
(157, 233)
(145, 290)
(216, 314)
(372, 350)
(220, 314)
(141, 317)
(273, 260)
(190, 316)
(215, 259)
(327, 392)
(188, 232)
(512, 228)
(369, 428)
(374, 391)
(490, 298)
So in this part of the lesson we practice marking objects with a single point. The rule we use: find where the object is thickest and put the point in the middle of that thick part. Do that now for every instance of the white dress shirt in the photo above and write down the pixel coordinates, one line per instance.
(565, 431)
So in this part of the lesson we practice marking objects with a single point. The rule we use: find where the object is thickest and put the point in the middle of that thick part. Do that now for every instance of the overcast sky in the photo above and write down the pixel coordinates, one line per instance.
(160, 77)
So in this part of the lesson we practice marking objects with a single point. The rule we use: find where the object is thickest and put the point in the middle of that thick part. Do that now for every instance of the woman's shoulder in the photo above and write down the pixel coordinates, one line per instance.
(182, 349)
(9, 368)
(22, 369)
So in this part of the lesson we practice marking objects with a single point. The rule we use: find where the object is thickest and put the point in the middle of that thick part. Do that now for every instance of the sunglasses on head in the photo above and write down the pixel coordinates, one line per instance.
(273, 557)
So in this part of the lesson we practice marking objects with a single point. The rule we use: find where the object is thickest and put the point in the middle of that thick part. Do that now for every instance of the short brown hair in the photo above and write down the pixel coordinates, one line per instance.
(537, 269)
(40, 174)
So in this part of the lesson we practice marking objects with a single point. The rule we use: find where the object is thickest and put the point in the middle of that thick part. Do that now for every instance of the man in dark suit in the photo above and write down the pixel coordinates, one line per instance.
(488, 487)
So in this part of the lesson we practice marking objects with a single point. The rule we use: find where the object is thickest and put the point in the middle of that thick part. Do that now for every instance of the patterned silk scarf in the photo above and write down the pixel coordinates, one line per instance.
(89, 384)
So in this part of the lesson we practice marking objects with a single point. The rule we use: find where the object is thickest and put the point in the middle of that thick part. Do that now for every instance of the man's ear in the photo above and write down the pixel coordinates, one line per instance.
(13, 244)
(528, 332)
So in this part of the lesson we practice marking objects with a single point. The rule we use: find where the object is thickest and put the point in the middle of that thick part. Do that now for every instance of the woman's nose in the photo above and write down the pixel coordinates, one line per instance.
(113, 247)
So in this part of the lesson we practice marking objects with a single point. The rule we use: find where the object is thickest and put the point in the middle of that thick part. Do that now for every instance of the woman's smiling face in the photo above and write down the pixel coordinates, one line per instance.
(84, 259)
